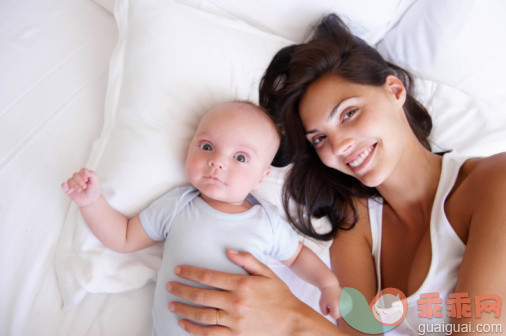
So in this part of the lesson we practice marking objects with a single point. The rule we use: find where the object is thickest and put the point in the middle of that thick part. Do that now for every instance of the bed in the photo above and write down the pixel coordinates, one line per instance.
(119, 88)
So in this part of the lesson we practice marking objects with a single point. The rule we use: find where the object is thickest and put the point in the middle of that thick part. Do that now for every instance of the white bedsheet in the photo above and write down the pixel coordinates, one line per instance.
(54, 58)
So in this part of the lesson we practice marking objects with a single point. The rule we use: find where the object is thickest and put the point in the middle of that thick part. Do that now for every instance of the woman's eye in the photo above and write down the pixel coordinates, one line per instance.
(349, 114)
(206, 147)
(317, 140)
(241, 158)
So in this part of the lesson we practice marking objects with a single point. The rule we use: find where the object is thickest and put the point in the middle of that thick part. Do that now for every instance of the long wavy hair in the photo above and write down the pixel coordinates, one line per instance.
(317, 190)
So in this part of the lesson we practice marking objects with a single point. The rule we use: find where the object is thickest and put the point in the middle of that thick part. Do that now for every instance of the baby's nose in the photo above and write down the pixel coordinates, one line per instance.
(216, 164)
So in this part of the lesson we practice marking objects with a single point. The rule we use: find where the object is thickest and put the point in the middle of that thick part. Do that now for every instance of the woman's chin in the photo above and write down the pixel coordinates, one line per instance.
(371, 180)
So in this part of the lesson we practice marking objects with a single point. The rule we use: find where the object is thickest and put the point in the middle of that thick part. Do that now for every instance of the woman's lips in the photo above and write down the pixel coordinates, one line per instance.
(361, 157)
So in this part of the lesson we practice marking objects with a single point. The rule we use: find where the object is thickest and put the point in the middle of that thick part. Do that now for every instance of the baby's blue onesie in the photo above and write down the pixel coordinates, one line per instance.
(196, 234)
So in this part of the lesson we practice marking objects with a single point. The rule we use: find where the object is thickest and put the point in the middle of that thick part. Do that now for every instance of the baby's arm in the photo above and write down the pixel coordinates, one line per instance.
(112, 228)
(309, 267)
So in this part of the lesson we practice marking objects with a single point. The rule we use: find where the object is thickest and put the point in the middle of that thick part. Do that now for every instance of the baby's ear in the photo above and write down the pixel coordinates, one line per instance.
(264, 176)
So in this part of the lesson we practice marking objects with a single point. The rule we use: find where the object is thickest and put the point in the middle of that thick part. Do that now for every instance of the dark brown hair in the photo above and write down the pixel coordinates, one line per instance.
(316, 189)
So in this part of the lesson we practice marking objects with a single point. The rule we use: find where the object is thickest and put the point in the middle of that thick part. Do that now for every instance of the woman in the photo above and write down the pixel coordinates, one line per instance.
(401, 216)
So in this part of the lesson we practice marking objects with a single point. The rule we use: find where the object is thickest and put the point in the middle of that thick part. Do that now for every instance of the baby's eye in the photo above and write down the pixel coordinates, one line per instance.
(349, 114)
(207, 147)
(241, 157)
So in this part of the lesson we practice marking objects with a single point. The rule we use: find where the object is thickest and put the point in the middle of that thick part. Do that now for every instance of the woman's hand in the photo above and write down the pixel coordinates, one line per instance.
(256, 304)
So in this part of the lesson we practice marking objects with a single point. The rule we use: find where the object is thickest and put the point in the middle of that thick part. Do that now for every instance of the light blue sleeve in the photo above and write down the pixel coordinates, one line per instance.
(157, 218)
(285, 239)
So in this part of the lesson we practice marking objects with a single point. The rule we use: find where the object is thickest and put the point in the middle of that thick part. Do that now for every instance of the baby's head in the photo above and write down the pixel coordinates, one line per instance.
(231, 151)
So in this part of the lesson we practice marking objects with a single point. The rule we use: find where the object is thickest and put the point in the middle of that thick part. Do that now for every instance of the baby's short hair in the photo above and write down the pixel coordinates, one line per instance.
(260, 108)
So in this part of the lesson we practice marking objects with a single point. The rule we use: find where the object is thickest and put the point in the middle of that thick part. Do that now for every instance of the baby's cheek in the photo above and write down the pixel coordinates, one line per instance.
(192, 174)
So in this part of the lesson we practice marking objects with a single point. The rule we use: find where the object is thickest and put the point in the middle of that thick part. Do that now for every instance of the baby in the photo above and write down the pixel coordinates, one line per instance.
(229, 156)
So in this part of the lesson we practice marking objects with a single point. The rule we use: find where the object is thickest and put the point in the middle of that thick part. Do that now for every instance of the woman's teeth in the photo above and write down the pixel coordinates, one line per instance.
(358, 161)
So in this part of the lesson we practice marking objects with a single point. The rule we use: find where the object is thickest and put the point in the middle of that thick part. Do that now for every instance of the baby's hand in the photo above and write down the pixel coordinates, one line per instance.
(329, 301)
(83, 187)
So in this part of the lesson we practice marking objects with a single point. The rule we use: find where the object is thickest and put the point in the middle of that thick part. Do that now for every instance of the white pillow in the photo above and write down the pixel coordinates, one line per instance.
(369, 19)
(292, 19)
(460, 121)
(106, 4)
(460, 43)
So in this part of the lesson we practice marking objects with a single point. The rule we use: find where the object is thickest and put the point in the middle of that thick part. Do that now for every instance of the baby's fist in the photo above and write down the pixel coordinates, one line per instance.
(83, 187)
(329, 301)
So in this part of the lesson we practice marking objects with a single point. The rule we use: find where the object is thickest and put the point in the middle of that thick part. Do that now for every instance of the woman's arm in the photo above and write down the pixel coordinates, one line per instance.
(483, 267)
(352, 261)
(255, 304)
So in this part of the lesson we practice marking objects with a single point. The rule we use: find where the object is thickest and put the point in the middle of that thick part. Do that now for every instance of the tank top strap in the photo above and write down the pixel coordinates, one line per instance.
(375, 206)
(440, 225)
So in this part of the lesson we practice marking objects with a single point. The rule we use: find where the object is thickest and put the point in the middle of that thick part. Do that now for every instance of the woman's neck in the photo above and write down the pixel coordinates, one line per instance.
(411, 189)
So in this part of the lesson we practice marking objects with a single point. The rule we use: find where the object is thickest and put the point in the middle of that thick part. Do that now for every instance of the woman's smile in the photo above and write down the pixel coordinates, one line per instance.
(357, 162)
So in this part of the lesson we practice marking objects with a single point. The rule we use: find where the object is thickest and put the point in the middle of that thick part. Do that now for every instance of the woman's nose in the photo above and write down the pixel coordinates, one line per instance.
(341, 146)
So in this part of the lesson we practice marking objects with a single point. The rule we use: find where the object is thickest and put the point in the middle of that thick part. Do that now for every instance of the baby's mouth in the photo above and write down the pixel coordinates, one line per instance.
(213, 177)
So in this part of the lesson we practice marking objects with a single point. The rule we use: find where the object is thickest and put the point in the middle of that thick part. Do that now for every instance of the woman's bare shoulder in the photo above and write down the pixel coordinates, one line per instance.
(484, 173)
(484, 195)
(479, 181)
(361, 230)
(481, 188)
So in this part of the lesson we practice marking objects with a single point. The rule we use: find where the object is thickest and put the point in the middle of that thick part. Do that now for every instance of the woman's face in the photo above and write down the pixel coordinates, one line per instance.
(359, 130)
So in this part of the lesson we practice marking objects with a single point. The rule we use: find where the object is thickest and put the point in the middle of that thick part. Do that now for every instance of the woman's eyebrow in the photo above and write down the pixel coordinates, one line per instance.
(336, 108)
(333, 112)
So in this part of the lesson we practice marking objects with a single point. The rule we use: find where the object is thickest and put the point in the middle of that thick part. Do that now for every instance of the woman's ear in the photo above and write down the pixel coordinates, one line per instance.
(396, 87)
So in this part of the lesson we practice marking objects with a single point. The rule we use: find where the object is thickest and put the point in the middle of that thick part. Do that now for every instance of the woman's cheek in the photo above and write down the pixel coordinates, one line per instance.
(332, 161)
(326, 157)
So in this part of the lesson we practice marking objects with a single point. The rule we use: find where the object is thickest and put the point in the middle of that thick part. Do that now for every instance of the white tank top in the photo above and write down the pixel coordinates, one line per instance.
(447, 252)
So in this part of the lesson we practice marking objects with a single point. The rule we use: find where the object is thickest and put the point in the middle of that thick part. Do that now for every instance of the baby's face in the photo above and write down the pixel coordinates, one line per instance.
(231, 151)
